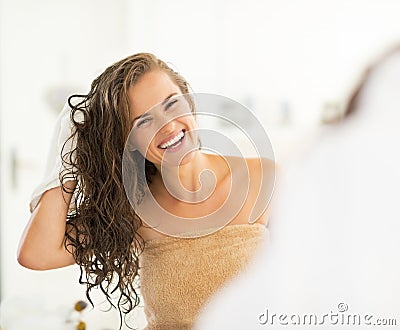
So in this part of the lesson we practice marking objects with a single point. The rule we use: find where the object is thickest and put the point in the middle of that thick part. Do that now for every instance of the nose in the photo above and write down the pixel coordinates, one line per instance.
(168, 126)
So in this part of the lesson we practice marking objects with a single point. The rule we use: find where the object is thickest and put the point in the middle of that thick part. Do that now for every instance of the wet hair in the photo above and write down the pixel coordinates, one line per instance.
(102, 226)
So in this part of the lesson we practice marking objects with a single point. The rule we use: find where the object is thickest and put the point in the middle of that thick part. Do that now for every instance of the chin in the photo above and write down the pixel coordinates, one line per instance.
(187, 159)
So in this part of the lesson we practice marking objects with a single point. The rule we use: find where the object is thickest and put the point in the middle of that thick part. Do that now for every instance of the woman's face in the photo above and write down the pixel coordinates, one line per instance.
(163, 127)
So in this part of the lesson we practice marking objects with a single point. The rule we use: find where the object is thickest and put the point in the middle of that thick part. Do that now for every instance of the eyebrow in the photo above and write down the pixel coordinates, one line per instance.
(146, 114)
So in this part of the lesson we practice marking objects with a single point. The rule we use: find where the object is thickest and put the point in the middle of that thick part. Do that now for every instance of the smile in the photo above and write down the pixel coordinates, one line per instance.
(174, 142)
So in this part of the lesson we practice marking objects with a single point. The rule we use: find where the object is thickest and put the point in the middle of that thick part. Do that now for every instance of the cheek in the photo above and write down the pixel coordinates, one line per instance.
(143, 141)
(191, 122)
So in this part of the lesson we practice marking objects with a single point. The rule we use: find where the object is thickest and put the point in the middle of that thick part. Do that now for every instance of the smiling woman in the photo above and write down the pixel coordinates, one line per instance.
(139, 112)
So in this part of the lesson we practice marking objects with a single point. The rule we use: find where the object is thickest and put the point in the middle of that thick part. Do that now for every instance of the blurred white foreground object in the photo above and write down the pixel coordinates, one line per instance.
(333, 257)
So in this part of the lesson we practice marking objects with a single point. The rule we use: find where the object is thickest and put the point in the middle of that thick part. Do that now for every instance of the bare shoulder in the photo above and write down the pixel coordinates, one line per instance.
(261, 166)
(260, 173)
(257, 168)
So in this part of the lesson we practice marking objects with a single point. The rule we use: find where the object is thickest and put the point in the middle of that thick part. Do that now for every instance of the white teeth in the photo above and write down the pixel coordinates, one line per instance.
(172, 141)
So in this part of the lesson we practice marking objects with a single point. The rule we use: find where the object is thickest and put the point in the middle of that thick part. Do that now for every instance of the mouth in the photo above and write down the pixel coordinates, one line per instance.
(173, 142)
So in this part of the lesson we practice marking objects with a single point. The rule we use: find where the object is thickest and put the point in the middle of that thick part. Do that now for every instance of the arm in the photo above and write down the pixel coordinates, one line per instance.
(42, 242)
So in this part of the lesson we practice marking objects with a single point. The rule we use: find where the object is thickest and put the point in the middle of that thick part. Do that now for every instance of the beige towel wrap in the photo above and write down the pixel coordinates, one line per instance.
(178, 275)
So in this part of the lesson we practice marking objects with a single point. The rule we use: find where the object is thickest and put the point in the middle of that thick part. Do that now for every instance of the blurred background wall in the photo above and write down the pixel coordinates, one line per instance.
(288, 61)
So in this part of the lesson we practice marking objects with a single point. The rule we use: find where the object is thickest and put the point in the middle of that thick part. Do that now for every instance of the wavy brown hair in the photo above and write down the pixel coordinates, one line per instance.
(102, 227)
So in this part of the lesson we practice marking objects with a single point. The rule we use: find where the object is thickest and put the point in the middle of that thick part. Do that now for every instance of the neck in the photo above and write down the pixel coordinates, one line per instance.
(191, 182)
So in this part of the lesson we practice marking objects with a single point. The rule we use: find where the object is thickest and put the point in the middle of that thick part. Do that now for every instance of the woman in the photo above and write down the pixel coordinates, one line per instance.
(122, 126)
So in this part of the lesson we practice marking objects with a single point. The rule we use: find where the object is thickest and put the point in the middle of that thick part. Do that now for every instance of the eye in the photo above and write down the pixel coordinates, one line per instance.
(143, 123)
(170, 104)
